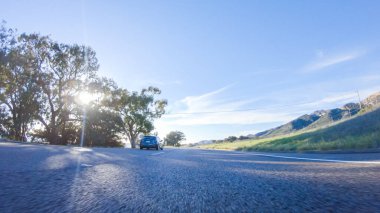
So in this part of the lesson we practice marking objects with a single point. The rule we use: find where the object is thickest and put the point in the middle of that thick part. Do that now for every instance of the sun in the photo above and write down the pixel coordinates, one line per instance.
(85, 97)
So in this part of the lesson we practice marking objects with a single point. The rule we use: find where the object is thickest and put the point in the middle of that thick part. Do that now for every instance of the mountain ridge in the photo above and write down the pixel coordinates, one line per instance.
(321, 118)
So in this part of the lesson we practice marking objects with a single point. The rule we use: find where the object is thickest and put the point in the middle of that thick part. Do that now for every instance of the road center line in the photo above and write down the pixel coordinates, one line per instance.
(316, 159)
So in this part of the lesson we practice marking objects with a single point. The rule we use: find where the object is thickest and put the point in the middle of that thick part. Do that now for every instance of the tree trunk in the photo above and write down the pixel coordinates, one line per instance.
(132, 138)
(53, 137)
(133, 143)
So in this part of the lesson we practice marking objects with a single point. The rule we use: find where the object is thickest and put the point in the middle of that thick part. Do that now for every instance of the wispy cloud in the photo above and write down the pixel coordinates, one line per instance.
(204, 101)
(212, 109)
(214, 101)
(231, 118)
(338, 99)
(324, 61)
(333, 99)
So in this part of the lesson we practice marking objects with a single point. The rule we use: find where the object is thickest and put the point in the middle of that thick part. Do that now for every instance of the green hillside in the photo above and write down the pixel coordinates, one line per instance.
(315, 120)
(360, 132)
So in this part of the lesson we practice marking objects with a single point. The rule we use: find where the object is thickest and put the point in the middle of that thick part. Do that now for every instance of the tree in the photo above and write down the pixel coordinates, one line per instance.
(5, 122)
(62, 76)
(138, 111)
(40, 80)
(242, 137)
(104, 124)
(174, 138)
(231, 138)
(103, 128)
(18, 88)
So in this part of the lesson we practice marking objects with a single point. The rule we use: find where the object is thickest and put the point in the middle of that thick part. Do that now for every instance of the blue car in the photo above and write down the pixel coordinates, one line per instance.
(151, 142)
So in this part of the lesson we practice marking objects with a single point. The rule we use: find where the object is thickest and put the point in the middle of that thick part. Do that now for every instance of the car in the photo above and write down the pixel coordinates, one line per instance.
(151, 142)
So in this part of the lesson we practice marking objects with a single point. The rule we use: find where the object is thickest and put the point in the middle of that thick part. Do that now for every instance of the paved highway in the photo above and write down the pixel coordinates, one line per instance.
(38, 178)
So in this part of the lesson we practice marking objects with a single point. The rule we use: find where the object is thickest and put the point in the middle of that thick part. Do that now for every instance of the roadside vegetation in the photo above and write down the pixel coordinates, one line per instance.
(48, 88)
(360, 132)
(174, 138)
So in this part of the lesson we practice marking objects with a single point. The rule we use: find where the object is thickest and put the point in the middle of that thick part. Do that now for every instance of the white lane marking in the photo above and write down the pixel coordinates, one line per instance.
(300, 158)
(316, 159)
(82, 149)
(158, 153)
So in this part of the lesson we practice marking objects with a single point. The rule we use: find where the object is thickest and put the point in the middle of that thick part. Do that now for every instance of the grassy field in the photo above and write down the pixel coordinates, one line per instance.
(361, 132)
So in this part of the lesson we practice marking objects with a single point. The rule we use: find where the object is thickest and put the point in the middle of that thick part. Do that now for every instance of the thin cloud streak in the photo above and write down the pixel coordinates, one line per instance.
(211, 102)
(257, 117)
(204, 101)
(341, 98)
(325, 61)
(336, 98)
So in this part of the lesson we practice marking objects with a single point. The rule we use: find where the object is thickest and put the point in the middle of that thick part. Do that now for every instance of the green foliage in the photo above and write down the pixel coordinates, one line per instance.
(5, 123)
(18, 88)
(40, 81)
(138, 111)
(174, 138)
(231, 139)
(103, 128)
(242, 137)
(61, 80)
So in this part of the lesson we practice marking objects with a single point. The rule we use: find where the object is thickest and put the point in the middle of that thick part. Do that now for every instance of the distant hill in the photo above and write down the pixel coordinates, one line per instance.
(321, 118)
(372, 100)
(358, 133)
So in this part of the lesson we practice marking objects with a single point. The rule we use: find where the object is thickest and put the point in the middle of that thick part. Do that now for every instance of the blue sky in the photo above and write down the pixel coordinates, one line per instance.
(280, 58)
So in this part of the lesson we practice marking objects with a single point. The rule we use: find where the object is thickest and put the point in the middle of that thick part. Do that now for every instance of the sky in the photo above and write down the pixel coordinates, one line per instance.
(225, 67)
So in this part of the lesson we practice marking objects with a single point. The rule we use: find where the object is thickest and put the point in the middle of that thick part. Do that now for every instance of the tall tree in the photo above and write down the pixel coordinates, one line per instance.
(39, 80)
(103, 128)
(174, 138)
(18, 88)
(104, 125)
(139, 110)
(61, 80)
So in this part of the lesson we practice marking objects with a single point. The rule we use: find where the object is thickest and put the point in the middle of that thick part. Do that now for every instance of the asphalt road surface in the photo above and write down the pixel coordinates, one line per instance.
(39, 178)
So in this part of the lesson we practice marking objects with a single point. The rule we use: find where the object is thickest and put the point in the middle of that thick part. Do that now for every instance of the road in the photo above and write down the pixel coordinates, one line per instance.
(41, 178)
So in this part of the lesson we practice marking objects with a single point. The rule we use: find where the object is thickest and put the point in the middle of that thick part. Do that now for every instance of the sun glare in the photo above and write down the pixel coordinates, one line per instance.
(85, 97)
